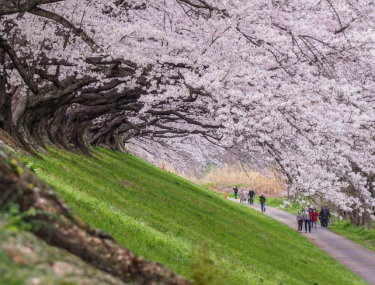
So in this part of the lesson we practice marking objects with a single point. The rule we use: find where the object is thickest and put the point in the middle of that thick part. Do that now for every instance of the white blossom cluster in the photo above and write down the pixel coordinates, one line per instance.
(284, 84)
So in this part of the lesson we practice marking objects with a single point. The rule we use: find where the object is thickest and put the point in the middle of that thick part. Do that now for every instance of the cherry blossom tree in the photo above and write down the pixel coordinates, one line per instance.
(283, 84)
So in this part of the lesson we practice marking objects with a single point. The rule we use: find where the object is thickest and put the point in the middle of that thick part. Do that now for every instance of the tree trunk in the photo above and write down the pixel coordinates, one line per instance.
(55, 130)
(36, 130)
(367, 221)
(355, 218)
(4, 97)
(106, 131)
(344, 215)
(296, 196)
(77, 135)
(9, 132)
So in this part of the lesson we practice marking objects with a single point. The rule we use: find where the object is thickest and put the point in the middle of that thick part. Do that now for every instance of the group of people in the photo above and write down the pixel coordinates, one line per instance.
(251, 196)
(310, 216)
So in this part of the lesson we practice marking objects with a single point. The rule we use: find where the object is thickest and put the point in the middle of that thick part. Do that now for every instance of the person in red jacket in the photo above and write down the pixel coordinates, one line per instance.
(314, 217)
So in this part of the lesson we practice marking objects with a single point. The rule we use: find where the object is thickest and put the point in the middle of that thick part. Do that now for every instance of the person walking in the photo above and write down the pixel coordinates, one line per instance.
(251, 196)
(306, 218)
(235, 189)
(262, 200)
(243, 196)
(314, 218)
(299, 221)
(310, 208)
(325, 214)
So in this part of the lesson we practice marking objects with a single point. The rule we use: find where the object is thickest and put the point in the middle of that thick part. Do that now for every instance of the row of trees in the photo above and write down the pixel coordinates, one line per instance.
(286, 84)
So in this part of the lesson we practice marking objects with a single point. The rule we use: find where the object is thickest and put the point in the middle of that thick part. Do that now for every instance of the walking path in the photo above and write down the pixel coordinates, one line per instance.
(357, 258)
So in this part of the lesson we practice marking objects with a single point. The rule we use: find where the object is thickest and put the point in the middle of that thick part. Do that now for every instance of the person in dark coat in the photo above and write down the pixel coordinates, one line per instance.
(325, 215)
(262, 200)
(235, 189)
(251, 196)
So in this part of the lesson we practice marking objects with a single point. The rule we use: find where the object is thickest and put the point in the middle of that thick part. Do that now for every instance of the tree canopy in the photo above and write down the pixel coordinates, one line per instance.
(285, 84)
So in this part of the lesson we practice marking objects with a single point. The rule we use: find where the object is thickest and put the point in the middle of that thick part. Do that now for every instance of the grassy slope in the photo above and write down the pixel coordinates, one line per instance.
(163, 217)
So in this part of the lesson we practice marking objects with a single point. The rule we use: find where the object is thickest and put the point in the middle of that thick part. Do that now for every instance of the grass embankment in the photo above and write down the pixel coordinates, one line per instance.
(163, 217)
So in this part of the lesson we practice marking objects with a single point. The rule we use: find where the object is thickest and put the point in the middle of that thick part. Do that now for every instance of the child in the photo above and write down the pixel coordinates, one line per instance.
(300, 221)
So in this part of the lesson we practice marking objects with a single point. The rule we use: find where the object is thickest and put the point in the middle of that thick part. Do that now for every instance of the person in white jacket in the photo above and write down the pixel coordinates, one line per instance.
(306, 218)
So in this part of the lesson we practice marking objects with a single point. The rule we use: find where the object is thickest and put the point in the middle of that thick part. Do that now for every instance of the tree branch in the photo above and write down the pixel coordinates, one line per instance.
(27, 78)
(8, 7)
(59, 19)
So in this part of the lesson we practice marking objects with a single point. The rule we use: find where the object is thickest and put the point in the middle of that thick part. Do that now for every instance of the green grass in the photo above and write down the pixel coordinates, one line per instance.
(167, 219)
(359, 235)
(279, 203)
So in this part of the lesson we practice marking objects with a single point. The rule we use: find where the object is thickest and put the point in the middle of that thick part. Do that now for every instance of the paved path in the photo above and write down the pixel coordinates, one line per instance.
(357, 258)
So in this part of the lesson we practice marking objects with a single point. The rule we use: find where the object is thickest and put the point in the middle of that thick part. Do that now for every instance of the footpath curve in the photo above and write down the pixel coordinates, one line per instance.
(357, 258)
